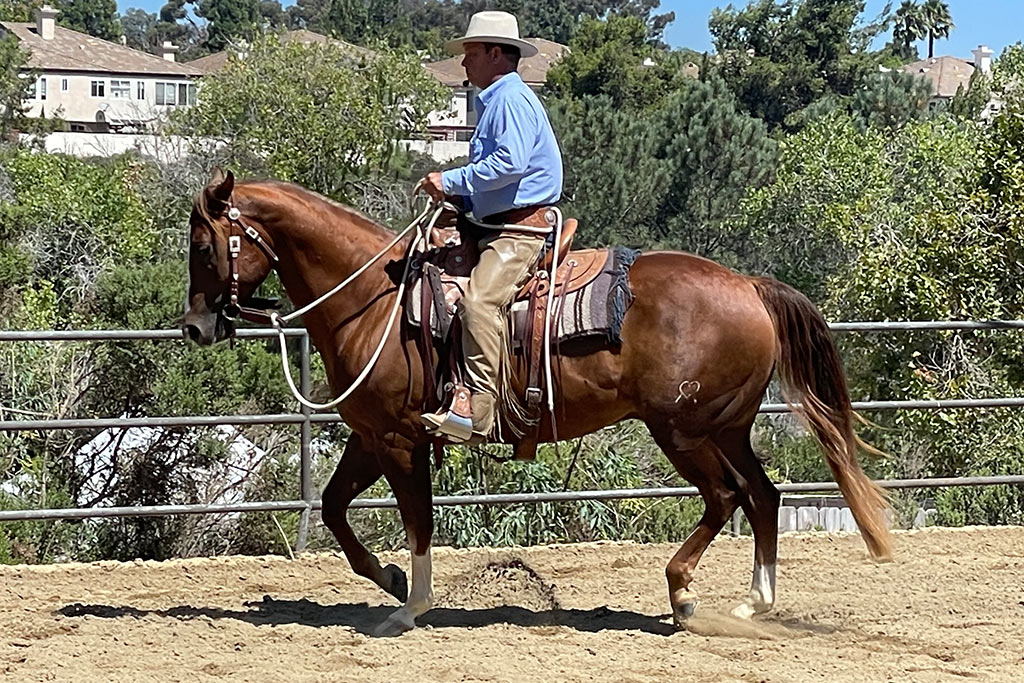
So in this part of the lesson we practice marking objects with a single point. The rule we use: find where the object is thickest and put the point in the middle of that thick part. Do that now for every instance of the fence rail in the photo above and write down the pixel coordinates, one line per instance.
(305, 420)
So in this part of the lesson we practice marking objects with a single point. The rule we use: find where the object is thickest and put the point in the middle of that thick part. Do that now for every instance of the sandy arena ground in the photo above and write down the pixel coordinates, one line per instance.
(950, 608)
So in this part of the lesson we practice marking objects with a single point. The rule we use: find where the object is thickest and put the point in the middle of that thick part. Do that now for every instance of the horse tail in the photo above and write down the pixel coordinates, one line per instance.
(814, 386)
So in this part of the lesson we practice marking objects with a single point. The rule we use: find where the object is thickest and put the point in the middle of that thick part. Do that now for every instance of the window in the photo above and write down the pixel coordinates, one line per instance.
(97, 88)
(165, 94)
(64, 84)
(175, 94)
(121, 90)
(140, 90)
(42, 88)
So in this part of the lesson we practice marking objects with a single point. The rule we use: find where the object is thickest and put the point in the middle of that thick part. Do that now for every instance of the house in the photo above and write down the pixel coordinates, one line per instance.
(947, 75)
(96, 85)
(458, 122)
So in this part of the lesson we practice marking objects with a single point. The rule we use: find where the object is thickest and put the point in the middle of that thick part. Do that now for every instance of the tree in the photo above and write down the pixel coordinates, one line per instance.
(139, 28)
(309, 14)
(713, 155)
(363, 21)
(613, 182)
(273, 16)
(18, 10)
(666, 177)
(96, 17)
(16, 83)
(780, 57)
(613, 57)
(178, 27)
(937, 22)
(321, 115)
(228, 20)
(908, 27)
(891, 99)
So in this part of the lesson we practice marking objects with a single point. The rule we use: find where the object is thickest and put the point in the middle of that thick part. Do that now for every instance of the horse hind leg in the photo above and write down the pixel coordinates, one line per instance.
(760, 504)
(357, 471)
(701, 465)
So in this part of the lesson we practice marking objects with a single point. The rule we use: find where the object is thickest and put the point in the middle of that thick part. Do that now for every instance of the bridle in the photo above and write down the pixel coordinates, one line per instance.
(233, 310)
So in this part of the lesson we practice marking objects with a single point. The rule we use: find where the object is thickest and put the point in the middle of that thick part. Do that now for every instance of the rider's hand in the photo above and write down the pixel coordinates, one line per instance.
(431, 184)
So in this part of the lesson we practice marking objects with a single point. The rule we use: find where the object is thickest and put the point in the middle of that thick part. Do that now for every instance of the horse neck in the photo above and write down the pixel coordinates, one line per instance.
(319, 244)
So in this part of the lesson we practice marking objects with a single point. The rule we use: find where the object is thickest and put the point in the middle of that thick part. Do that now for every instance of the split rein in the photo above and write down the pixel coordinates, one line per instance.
(423, 223)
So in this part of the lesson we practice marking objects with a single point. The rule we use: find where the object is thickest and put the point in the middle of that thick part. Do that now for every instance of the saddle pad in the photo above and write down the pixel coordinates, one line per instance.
(595, 309)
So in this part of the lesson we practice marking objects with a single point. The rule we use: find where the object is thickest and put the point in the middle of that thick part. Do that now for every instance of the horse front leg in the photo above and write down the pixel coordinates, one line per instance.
(357, 471)
(408, 472)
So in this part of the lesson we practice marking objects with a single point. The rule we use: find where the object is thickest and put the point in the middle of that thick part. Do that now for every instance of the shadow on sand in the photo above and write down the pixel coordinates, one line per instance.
(364, 618)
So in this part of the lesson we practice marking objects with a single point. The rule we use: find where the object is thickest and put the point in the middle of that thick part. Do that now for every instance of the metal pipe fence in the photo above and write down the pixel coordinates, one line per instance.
(305, 419)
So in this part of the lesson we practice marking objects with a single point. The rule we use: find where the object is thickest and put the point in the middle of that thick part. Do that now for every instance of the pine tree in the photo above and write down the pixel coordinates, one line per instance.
(713, 155)
(889, 100)
(228, 20)
(96, 17)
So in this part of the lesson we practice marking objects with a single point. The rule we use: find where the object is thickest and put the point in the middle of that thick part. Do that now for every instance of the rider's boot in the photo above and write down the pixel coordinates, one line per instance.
(468, 421)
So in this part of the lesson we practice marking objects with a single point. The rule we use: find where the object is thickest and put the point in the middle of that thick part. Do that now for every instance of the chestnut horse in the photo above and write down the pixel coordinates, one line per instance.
(699, 346)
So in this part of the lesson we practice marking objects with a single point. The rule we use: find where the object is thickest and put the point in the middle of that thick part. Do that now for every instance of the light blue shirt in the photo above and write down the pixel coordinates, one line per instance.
(514, 157)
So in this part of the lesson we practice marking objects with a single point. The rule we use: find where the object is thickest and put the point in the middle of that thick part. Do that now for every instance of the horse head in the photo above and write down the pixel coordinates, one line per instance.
(224, 266)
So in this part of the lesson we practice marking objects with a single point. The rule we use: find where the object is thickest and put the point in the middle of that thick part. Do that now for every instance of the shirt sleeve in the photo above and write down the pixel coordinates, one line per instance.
(511, 132)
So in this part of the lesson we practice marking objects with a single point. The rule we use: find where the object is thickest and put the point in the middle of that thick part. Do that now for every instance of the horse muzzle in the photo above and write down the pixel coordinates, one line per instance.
(207, 329)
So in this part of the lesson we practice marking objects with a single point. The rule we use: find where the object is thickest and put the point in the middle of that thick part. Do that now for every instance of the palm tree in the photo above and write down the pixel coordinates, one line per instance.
(937, 21)
(909, 28)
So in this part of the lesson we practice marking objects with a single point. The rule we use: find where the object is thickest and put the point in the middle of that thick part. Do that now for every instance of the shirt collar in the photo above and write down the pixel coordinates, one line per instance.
(494, 88)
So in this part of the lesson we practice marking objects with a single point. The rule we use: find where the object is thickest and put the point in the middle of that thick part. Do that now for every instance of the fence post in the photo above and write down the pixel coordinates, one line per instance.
(305, 460)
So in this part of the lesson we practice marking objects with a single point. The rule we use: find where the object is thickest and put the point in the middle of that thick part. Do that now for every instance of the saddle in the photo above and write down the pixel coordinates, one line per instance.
(439, 278)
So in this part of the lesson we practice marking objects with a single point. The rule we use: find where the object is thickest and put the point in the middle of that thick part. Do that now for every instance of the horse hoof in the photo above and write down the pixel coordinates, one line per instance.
(747, 609)
(682, 612)
(398, 584)
(743, 611)
(395, 625)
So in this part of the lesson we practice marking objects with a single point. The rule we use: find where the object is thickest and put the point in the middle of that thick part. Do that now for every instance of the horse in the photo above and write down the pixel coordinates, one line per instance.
(699, 345)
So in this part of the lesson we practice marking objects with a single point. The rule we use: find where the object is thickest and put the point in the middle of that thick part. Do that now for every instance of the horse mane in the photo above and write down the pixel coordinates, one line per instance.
(208, 207)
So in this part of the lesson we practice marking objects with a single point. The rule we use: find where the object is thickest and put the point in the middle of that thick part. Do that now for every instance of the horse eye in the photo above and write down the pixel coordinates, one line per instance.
(204, 251)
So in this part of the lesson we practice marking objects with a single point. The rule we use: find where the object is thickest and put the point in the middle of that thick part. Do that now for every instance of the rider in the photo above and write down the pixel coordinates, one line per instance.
(514, 174)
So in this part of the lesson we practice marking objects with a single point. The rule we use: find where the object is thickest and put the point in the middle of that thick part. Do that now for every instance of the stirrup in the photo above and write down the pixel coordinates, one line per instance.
(456, 428)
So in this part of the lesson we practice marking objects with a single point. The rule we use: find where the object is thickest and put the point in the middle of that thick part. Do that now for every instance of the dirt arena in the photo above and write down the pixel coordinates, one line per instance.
(950, 608)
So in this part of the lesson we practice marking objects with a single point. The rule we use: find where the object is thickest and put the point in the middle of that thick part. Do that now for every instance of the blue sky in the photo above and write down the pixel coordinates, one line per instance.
(996, 23)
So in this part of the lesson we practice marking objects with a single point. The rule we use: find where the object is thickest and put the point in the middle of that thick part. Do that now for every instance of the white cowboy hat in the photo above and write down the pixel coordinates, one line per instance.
(492, 27)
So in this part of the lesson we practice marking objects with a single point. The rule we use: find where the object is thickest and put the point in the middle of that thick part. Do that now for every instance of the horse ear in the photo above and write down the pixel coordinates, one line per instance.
(221, 186)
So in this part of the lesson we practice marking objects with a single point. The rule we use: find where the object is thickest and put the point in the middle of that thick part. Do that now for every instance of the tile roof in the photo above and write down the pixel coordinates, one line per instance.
(534, 70)
(946, 74)
(217, 60)
(73, 51)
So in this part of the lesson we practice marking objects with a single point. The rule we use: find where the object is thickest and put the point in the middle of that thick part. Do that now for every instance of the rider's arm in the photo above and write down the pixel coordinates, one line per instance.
(508, 140)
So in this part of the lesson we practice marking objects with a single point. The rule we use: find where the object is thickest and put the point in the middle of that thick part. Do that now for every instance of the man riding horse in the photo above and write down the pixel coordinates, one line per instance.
(514, 175)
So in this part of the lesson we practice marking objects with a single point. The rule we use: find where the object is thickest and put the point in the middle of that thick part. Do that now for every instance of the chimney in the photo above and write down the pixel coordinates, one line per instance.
(983, 59)
(45, 21)
(167, 50)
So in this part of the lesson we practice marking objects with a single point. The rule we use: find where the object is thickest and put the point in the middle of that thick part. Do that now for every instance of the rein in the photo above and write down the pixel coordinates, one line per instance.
(256, 315)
